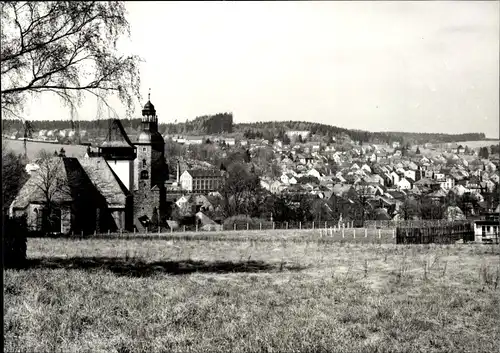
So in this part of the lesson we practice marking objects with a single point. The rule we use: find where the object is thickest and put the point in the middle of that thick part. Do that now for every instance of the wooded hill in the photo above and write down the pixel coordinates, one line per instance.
(275, 128)
(223, 123)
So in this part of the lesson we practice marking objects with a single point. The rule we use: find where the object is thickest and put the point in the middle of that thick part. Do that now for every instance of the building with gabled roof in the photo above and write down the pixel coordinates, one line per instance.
(122, 186)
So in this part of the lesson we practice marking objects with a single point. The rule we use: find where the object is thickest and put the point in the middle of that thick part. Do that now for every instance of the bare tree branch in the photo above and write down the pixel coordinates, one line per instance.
(65, 47)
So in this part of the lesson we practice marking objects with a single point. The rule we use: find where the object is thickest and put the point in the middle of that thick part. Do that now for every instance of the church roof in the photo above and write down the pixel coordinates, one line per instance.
(149, 109)
(85, 178)
(105, 180)
(33, 189)
(117, 136)
(149, 106)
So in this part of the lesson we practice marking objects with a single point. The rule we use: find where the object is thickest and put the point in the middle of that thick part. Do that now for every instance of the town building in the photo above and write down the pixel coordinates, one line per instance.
(200, 180)
(120, 187)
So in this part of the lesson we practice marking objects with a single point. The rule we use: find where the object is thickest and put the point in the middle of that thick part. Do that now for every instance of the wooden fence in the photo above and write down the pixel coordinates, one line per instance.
(445, 234)
(420, 223)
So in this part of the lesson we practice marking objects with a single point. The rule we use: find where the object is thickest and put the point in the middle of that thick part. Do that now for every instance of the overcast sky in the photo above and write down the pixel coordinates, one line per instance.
(377, 66)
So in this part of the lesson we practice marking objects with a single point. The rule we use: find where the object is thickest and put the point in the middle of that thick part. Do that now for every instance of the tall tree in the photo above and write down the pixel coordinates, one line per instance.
(240, 191)
(67, 48)
(13, 175)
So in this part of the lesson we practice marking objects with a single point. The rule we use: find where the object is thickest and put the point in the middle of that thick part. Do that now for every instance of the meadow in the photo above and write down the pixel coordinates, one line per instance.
(33, 148)
(195, 295)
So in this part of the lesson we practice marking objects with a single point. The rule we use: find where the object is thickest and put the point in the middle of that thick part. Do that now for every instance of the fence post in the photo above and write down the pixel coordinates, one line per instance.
(184, 227)
(366, 233)
(260, 225)
(354, 233)
(247, 225)
(393, 233)
(159, 229)
(343, 232)
(325, 224)
(134, 230)
(300, 225)
(286, 225)
(273, 225)
(196, 227)
(313, 224)
(234, 226)
(379, 236)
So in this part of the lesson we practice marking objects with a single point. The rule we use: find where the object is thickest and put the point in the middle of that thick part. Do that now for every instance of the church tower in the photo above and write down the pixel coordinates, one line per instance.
(150, 169)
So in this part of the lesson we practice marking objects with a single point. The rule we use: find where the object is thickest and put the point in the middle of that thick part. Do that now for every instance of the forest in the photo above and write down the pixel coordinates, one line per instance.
(271, 128)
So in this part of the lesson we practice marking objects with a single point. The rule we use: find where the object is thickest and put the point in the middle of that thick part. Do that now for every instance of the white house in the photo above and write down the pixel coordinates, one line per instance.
(193, 140)
(302, 134)
(447, 183)
(366, 168)
(486, 230)
(183, 200)
(313, 172)
(266, 185)
(288, 179)
(395, 178)
(275, 186)
(439, 176)
(404, 184)
(410, 174)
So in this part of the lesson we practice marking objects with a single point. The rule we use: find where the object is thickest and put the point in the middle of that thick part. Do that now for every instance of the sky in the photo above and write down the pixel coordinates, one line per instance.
(377, 66)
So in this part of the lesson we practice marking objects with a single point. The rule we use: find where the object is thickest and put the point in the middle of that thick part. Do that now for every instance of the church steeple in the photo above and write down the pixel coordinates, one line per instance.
(149, 117)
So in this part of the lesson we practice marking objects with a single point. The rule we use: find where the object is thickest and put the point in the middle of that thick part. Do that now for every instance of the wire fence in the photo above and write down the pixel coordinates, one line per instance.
(406, 233)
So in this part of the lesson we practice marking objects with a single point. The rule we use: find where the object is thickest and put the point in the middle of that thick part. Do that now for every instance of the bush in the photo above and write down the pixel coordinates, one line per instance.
(242, 220)
(14, 242)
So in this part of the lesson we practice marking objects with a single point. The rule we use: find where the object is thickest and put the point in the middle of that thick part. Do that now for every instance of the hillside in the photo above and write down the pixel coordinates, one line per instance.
(223, 123)
(273, 128)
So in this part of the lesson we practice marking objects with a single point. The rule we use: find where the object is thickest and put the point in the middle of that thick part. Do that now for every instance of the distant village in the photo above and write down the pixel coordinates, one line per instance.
(389, 182)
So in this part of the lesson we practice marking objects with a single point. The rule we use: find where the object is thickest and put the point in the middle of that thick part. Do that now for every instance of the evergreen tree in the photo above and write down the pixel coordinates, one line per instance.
(154, 220)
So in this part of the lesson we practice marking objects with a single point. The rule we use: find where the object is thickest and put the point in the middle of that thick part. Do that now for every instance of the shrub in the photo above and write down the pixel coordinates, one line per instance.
(241, 222)
(14, 242)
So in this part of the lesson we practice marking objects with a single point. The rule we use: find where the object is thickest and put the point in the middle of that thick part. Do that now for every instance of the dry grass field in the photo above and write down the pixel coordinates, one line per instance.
(33, 148)
(140, 295)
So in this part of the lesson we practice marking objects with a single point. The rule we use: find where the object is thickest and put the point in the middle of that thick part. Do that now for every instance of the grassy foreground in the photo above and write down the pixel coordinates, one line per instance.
(137, 295)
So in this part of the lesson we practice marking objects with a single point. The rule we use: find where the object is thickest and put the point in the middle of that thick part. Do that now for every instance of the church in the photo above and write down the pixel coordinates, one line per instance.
(121, 187)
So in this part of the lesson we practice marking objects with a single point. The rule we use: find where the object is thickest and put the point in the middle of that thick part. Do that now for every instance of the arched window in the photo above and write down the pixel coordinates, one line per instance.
(144, 174)
(143, 162)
